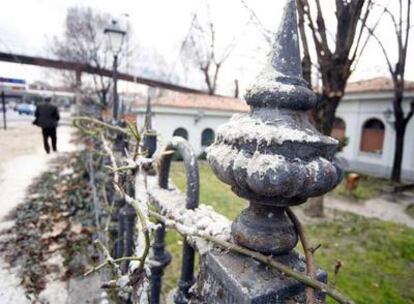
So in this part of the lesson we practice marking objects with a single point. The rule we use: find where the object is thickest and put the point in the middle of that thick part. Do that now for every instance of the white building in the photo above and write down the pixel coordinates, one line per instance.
(365, 118)
(361, 118)
(192, 116)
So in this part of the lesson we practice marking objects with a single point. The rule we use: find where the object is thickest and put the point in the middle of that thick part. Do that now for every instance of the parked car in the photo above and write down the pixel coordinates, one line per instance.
(26, 108)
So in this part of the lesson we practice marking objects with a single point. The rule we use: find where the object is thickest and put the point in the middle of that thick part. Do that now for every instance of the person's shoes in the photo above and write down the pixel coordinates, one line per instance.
(48, 152)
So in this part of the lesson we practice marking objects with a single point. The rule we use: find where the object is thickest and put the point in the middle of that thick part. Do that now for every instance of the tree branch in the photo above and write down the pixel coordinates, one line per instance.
(310, 269)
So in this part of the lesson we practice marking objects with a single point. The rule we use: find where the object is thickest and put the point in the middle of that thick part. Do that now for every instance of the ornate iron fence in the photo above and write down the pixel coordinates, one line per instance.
(273, 157)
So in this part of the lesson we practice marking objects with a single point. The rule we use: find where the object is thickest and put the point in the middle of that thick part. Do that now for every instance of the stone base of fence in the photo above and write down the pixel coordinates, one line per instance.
(226, 277)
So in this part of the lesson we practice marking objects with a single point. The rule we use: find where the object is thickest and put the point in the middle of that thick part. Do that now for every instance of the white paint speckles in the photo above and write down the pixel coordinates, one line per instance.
(313, 169)
(265, 82)
(262, 163)
(247, 128)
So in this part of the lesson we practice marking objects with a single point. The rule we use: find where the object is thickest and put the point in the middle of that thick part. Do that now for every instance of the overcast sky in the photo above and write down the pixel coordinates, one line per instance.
(28, 26)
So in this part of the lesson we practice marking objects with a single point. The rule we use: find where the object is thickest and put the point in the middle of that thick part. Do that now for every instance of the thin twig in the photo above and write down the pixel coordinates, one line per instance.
(310, 269)
(143, 222)
(100, 123)
(141, 216)
(113, 261)
(338, 266)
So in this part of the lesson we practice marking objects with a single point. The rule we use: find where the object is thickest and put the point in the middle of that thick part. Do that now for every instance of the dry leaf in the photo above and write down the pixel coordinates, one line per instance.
(76, 228)
(57, 230)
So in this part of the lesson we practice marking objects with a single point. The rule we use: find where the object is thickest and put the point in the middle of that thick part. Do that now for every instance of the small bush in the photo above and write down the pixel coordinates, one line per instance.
(202, 156)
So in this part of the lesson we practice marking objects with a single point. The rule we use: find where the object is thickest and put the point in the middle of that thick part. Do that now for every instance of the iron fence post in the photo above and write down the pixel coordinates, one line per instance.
(119, 147)
(163, 258)
(274, 158)
(128, 216)
(192, 201)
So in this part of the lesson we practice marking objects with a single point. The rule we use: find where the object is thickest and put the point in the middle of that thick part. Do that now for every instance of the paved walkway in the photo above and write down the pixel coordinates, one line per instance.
(23, 159)
(375, 208)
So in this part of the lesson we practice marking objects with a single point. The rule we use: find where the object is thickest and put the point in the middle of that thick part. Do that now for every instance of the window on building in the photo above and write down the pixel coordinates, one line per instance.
(207, 137)
(372, 138)
(181, 132)
(338, 129)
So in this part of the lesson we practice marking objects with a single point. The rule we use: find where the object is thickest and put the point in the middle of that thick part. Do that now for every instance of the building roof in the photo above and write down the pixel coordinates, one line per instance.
(199, 101)
(231, 104)
(378, 84)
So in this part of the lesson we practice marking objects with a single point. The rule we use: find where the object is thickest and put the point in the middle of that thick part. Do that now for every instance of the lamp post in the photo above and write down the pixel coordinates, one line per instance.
(116, 37)
(388, 113)
(3, 102)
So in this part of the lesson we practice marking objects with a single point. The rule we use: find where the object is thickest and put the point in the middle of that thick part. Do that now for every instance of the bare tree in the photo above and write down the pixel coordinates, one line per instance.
(401, 21)
(83, 41)
(200, 48)
(336, 56)
(336, 53)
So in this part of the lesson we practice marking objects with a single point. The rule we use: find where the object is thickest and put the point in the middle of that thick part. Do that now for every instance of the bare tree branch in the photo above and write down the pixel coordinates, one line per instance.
(201, 49)
(397, 73)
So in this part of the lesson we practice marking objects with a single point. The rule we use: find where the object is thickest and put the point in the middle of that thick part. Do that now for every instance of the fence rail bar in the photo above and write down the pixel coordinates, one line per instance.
(183, 148)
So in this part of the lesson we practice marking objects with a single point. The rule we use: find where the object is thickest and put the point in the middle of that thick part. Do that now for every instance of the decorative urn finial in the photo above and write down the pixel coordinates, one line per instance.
(274, 156)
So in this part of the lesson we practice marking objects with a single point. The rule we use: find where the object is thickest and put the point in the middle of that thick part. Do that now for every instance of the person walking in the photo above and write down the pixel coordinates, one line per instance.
(47, 117)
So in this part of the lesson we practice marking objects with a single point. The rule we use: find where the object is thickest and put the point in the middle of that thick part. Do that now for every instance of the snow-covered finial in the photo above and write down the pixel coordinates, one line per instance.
(274, 156)
(280, 84)
(285, 56)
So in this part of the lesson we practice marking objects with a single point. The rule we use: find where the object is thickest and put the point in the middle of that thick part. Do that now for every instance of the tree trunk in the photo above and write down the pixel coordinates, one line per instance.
(324, 114)
(400, 128)
(314, 207)
(307, 69)
(103, 98)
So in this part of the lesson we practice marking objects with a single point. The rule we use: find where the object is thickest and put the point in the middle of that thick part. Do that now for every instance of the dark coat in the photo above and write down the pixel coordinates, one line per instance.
(47, 116)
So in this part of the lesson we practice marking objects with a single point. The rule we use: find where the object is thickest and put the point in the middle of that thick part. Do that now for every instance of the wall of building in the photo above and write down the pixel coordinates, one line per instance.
(165, 121)
(355, 111)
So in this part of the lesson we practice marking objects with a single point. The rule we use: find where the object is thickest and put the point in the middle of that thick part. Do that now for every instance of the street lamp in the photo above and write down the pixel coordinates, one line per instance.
(388, 115)
(116, 38)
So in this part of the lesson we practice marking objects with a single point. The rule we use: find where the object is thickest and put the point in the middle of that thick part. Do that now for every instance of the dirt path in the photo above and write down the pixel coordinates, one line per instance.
(22, 159)
(375, 208)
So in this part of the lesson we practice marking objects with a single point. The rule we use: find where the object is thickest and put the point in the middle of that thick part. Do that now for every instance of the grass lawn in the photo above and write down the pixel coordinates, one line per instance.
(377, 257)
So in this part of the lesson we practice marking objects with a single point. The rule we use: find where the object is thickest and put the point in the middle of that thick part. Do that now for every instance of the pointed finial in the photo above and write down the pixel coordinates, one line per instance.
(281, 84)
(285, 56)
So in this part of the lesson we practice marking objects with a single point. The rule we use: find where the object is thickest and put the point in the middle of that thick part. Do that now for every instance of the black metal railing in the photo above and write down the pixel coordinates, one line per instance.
(183, 148)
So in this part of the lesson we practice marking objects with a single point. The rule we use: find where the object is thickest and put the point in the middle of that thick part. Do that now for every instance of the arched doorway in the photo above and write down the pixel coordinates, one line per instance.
(372, 137)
